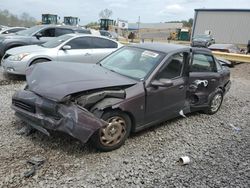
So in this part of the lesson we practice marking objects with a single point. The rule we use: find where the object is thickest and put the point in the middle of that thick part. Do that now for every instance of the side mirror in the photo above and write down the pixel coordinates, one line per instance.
(163, 82)
(225, 65)
(38, 35)
(66, 47)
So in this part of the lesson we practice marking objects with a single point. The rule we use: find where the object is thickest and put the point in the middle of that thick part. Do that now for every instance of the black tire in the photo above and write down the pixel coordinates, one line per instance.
(215, 102)
(104, 140)
(233, 63)
(38, 61)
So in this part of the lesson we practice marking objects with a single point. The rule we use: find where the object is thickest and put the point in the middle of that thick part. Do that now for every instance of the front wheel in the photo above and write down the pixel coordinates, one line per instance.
(215, 102)
(114, 134)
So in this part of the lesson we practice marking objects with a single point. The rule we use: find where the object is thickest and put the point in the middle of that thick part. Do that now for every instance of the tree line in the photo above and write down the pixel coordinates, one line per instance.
(9, 19)
(186, 23)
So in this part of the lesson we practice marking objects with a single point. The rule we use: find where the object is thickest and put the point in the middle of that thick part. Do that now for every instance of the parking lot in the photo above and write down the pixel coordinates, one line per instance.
(218, 146)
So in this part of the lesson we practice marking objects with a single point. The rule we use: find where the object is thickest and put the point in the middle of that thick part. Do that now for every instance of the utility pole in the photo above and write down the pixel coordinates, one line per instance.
(139, 18)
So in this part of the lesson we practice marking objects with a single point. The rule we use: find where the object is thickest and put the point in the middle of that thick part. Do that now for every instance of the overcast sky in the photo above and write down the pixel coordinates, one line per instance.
(148, 10)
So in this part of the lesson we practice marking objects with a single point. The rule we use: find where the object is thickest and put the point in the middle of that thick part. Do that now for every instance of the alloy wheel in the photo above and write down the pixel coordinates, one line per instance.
(216, 102)
(114, 132)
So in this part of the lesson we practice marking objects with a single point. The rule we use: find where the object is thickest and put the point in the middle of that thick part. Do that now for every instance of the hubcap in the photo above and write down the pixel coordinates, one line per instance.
(114, 132)
(216, 102)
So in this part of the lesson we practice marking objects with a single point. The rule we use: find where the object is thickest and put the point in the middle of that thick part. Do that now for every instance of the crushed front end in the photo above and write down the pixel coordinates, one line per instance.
(44, 114)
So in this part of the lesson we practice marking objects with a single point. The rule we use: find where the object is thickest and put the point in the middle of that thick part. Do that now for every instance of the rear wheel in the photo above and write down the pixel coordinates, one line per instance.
(114, 134)
(215, 102)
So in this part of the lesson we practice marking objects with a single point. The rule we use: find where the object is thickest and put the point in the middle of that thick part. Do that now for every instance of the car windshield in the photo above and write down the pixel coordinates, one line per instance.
(56, 41)
(133, 62)
(29, 31)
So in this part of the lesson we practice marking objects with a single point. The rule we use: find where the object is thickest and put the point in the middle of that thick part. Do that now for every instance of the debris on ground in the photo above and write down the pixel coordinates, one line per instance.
(36, 162)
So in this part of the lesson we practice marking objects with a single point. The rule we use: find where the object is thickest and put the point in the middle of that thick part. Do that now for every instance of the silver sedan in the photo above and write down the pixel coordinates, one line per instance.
(71, 47)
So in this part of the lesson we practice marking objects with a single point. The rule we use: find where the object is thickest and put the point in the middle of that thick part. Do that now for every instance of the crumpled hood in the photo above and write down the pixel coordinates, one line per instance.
(26, 49)
(55, 80)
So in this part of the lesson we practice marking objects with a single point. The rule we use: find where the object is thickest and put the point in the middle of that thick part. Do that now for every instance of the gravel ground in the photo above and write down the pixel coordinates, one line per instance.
(218, 145)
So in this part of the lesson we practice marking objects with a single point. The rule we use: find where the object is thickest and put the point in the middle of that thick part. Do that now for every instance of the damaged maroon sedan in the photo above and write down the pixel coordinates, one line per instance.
(133, 88)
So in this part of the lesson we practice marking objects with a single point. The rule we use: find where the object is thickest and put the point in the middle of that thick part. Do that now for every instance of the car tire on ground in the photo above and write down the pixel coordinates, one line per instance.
(215, 102)
(38, 61)
(115, 133)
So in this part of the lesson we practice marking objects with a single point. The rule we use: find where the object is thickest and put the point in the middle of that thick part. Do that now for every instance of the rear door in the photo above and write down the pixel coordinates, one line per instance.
(62, 31)
(101, 48)
(81, 50)
(203, 77)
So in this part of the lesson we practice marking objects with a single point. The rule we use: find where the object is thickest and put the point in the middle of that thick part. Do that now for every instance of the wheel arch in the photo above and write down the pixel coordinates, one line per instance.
(99, 112)
(39, 58)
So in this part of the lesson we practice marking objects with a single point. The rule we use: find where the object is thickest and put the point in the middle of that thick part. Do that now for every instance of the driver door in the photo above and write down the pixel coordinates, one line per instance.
(46, 35)
(165, 102)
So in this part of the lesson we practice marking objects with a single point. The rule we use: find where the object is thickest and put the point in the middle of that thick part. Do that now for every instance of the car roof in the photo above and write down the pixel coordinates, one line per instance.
(161, 47)
(14, 27)
(90, 35)
(62, 26)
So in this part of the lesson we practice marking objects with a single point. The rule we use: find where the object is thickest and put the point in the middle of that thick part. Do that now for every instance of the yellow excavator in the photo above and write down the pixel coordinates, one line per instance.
(50, 19)
(70, 20)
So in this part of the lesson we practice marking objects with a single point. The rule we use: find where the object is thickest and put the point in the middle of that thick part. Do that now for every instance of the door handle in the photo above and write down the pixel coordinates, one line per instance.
(87, 54)
(181, 87)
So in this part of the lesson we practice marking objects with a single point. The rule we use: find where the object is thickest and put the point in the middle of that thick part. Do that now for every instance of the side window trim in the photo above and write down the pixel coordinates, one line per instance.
(59, 31)
(103, 40)
(205, 54)
(83, 37)
(167, 62)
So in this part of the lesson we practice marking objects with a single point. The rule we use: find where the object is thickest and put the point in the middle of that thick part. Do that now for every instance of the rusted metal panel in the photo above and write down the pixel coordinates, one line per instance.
(226, 26)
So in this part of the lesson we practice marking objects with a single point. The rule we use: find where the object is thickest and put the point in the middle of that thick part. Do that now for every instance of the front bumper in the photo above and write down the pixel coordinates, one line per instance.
(43, 114)
(14, 67)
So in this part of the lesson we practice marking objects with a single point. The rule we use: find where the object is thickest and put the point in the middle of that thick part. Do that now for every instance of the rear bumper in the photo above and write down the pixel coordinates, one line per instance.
(43, 114)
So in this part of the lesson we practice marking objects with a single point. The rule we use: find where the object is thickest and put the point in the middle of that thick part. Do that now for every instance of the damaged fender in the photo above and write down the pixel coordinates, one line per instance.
(44, 114)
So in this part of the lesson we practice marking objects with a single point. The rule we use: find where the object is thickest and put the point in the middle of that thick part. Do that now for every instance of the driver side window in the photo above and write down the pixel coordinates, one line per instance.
(173, 69)
(48, 32)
